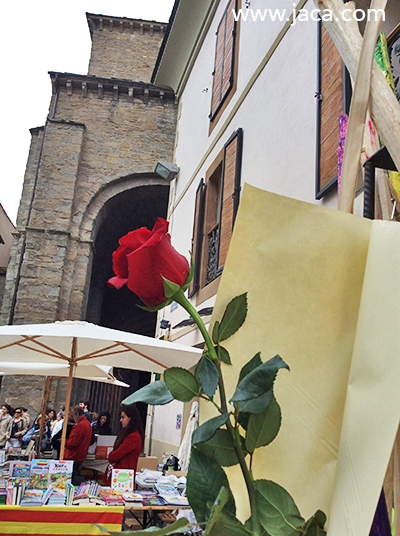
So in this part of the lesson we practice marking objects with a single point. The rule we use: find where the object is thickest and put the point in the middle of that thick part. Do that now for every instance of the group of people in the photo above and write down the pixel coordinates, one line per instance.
(17, 430)
(127, 445)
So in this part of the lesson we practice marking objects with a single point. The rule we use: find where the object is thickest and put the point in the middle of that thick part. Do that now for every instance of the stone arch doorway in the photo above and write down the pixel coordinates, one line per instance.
(137, 207)
(117, 309)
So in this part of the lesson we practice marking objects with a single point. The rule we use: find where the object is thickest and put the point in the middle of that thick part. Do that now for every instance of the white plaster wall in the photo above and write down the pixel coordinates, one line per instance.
(164, 424)
(278, 118)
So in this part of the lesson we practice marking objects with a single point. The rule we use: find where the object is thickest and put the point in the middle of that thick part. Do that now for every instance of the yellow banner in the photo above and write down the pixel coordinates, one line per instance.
(323, 293)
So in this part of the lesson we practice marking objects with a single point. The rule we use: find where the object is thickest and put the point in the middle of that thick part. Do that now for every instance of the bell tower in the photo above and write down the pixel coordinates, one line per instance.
(89, 179)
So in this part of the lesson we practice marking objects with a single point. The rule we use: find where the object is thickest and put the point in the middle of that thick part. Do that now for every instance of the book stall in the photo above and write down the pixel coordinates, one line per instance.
(37, 497)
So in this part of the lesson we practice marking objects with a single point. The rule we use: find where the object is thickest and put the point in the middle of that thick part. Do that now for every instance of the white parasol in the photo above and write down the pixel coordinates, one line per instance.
(74, 343)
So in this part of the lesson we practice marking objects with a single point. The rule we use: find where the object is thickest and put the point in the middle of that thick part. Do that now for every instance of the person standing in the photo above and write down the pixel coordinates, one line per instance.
(27, 418)
(5, 418)
(102, 425)
(77, 445)
(51, 414)
(85, 405)
(128, 443)
(16, 429)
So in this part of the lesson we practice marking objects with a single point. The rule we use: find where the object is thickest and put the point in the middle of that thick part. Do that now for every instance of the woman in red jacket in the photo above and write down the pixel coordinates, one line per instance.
(128, 443)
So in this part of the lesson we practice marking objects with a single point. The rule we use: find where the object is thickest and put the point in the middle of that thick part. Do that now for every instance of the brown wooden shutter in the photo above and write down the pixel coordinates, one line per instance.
(224, 58)
(197, 237)
(230, 191)
(330, 107)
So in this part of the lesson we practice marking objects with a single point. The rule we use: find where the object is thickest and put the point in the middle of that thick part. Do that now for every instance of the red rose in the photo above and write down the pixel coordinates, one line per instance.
(143, 257)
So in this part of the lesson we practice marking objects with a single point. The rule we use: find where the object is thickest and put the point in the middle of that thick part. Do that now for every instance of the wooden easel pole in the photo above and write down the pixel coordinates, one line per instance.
(72, 366)
(385, 110)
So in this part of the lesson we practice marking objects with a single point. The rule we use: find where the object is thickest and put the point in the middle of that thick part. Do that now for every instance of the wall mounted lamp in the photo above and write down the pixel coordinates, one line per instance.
(167, 170)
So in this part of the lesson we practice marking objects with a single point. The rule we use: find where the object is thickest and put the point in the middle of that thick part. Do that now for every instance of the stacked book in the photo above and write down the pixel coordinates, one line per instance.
(36, 497)
(69, 493)
(3, 491)
(132, 497)
(15, 490)
(87, 494)
(110, 497)
(57, 497)
(171, 495)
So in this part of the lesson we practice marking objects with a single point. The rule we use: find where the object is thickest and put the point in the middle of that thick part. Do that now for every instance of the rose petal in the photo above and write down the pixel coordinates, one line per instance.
(116, 282)
(135, 239)
(120, 263)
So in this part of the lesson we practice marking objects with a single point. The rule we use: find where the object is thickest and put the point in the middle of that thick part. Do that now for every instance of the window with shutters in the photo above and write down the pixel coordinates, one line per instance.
(225, 64)
(217, 200)
(334, 92)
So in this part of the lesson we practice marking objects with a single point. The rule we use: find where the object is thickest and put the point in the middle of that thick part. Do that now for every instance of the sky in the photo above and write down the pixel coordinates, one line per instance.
(37, 37)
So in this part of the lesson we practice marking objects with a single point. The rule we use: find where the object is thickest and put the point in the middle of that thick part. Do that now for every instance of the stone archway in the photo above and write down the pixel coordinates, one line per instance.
(126, 211)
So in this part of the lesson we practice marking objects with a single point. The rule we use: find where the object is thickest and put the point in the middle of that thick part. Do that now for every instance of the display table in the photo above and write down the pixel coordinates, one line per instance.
(59, 520)
(145, 520)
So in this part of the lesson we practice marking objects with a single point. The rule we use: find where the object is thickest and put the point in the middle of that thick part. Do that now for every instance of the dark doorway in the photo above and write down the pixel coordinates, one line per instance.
(111, 308)
(117, 309)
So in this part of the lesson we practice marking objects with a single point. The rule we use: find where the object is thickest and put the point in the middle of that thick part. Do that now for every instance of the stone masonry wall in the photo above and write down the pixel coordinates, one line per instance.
(102, 137)
(124, 48)
(90, 143)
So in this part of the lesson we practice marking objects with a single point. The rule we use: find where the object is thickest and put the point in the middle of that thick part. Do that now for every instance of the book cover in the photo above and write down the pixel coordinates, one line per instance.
(60, 472)
(32, 497)
(20, 469)
(39, 474)
(102, 452)
(122, 480)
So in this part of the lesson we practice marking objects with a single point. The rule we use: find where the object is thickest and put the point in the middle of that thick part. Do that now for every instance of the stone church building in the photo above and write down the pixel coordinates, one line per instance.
(89, 180)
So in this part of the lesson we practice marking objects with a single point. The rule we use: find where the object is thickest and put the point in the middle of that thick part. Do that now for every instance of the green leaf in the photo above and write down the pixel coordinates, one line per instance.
(277, 510)
(243, 419)
(208, 376)
(314, 526)
(176, 526)
(258, 404)
(207, 430)
(220, 502)
(234, 316)
(181, 383)
(223, 355)
(227, 525)
(215, 332)
(155, 393)
(170, 288)
(259, 380)
(250, 366)
(220, 448)
(205, 479)
(248, 524)
(264, 427)
(186, 284)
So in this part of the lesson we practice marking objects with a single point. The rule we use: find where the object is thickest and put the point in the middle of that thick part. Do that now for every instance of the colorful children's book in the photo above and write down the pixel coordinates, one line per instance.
(60, 472)
(122, 480)
(32, 497)
(39, 474)
(20, 469)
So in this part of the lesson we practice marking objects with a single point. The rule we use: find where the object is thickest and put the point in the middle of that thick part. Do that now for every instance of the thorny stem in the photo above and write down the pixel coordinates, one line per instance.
(207, 399)
(180, 298)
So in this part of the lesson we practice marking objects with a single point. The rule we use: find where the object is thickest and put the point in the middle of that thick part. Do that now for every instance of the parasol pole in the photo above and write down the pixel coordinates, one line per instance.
(72, 365)
(46, 394)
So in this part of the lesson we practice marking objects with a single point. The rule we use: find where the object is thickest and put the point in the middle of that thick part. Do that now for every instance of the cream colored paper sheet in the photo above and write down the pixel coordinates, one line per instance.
(304, 268)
